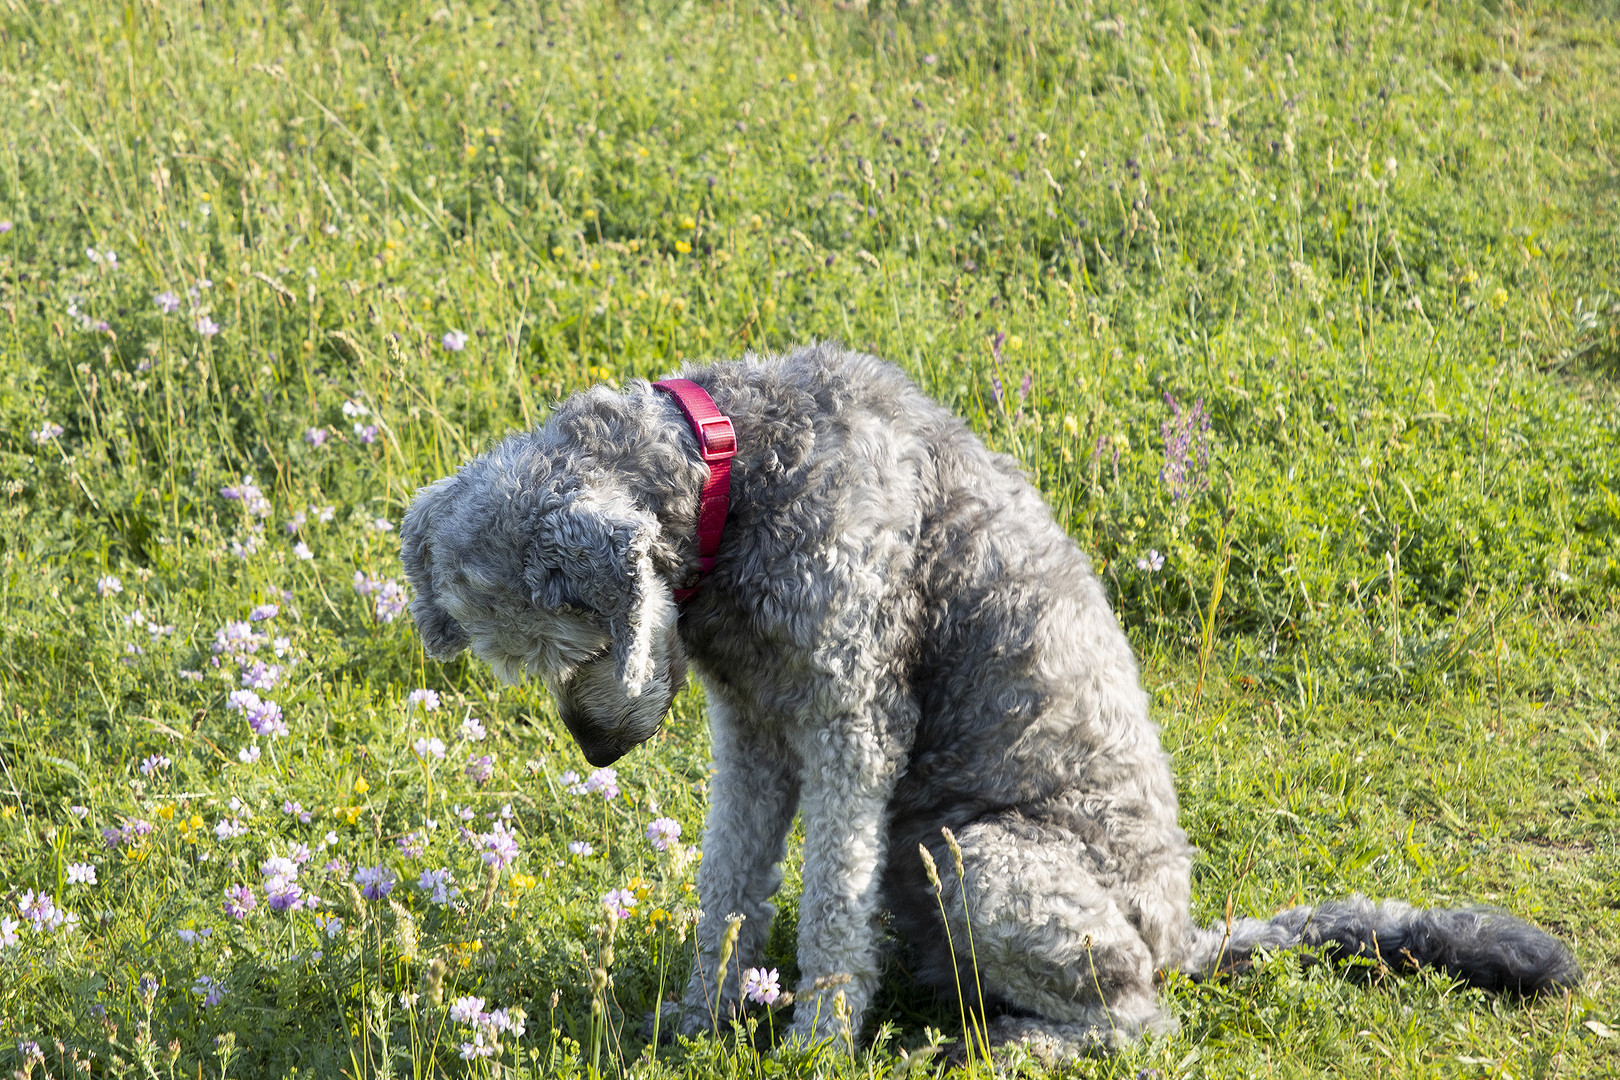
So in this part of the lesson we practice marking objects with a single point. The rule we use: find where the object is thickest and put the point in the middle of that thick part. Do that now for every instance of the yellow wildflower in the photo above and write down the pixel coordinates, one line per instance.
(683, 247)
(361, 787)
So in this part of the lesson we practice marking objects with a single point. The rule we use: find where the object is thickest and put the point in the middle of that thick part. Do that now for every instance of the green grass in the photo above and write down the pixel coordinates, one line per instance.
(1377, 242)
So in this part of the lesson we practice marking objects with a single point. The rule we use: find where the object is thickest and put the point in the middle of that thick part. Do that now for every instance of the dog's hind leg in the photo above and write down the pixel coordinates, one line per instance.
(1052, 943)
(751, 805)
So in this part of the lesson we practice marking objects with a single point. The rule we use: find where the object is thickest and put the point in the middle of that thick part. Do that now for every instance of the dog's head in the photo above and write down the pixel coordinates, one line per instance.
(542, 572)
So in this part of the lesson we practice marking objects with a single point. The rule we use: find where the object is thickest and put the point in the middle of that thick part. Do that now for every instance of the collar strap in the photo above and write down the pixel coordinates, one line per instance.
(717, 445)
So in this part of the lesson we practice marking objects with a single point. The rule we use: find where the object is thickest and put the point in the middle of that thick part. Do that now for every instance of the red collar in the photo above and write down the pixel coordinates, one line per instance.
(717, 445)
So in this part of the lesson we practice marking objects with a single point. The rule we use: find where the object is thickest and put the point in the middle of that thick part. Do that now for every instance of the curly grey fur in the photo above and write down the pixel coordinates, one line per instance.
(897, 638)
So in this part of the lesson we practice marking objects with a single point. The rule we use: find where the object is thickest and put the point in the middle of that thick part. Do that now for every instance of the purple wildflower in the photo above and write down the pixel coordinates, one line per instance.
(454, 341)
(619, 902)
(109, 586)
(605, 781)
(439, 884)
(210, 989)
(263, 612)
(1186, 450)
(1151, 562)
(376, 882)
(81, 873)
(261, 676)
(500, 846)
(239, 900)
(315, 436)
(428, 699)
(366, 433)
(47, 432)
(296, 809)
(207, 327)
(281, 883)
(431, 747)
(249, 754)
(471, 730)
(581, 848)
(155, 762)
(167, 302)
(391, 601)
(480, 769)
(663, 832)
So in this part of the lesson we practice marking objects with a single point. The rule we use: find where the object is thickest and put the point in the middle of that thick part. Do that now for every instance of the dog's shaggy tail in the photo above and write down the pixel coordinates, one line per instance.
(1483, 948)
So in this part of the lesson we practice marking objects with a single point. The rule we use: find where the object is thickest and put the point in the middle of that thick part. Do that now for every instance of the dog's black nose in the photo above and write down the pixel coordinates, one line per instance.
(602, 755)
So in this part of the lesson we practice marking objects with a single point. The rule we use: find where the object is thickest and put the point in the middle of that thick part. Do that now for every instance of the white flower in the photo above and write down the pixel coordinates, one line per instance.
(467, 1010)
(81, 874)
(109, 586)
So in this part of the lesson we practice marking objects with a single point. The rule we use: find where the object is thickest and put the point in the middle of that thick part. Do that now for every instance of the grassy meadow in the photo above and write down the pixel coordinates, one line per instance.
(1304, 315)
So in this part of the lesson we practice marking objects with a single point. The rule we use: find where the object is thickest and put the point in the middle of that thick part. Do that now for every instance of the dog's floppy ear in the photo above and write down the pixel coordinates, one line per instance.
(442, 636)
(594, 553)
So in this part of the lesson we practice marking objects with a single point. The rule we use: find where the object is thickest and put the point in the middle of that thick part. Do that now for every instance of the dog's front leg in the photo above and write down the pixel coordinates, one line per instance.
(751, 803)
(848, 779)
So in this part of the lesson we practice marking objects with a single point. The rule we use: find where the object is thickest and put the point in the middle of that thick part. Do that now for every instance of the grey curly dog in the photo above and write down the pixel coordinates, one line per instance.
(896, 638)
